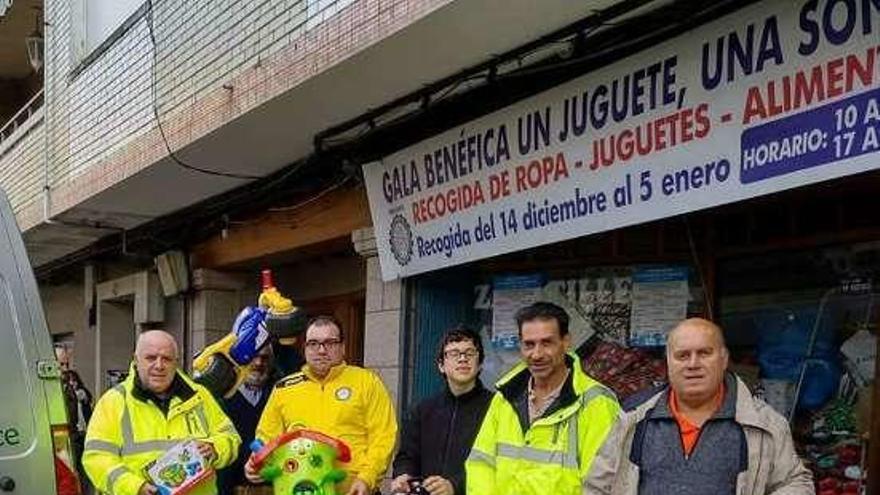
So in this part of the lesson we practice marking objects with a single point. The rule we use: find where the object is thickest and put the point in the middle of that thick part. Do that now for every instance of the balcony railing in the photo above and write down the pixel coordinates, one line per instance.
(19, 119)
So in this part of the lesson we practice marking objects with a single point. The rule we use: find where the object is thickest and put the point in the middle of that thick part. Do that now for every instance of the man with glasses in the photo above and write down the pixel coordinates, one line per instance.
(337, 399)
(441, 429)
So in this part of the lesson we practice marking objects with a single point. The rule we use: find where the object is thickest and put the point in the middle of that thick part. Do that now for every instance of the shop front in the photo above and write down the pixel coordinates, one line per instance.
(729, 173)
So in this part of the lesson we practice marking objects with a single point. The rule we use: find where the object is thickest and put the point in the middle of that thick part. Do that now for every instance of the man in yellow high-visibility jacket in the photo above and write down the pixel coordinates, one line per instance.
(346, 402)
(155, 408)
(547, 420)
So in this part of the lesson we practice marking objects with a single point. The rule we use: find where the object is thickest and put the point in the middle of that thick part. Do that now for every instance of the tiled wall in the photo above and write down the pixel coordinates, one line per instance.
(100, 114)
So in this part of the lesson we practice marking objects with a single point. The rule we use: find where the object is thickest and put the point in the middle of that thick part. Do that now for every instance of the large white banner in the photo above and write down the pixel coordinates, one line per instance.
(775, 96)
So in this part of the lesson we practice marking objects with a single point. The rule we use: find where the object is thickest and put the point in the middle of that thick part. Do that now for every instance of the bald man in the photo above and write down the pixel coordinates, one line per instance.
(702, 434)
(154, 409)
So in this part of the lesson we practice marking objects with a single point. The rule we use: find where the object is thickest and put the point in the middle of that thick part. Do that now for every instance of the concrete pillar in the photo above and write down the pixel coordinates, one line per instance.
(125, 306)
(382, 321)
(215, 304)
(116, 333)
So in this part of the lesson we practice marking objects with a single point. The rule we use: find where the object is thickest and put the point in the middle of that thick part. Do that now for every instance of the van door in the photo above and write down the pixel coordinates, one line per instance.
(31, 401)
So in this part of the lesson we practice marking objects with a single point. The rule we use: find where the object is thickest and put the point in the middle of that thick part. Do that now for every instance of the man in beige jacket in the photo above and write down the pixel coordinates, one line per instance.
(703, 434)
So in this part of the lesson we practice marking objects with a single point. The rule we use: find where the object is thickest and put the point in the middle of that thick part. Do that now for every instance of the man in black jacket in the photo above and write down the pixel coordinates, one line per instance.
(439, 433)
(244, 409)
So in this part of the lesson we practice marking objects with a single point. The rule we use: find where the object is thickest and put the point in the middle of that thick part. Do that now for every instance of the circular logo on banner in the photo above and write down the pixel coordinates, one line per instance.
(401, 239)
(343, 393)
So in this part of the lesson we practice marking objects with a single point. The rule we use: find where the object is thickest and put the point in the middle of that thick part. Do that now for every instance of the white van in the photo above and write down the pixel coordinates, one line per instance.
(35, 454)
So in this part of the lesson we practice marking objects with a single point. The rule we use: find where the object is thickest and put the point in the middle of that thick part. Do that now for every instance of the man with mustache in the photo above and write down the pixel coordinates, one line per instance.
(244, 409)
(340, 400)
(155, 408)
(441, 429)
(703, 434)
(547, 420)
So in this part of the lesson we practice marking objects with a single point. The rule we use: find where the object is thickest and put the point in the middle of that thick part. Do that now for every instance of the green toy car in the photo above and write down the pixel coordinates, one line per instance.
(301, 462)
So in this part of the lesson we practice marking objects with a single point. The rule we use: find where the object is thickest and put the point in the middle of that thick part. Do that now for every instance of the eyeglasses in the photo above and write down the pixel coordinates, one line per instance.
(455, 354)
(314, 345)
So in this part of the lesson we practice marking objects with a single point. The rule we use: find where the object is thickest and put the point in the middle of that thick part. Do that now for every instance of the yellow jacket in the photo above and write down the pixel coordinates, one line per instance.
(555, 453)
(351, 404)
(127, 432)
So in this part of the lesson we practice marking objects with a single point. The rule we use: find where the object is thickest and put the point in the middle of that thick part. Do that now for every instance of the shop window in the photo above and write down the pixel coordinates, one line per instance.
(789, 316)
(802, 330)
(599, 300)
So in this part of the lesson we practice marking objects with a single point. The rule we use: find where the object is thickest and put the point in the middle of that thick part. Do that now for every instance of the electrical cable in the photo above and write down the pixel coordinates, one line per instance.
(314, 198)
(155, 107)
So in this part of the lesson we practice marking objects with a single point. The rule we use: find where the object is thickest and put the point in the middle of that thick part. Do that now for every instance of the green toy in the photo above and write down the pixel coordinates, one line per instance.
(301, 462)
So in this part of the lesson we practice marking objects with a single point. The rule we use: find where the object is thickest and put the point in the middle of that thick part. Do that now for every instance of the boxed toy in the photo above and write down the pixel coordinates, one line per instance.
(180, 471)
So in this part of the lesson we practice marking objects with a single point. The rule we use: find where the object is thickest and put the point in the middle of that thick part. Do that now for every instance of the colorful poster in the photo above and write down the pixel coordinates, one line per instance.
(777, 95)
(509, 294)
(659, 302)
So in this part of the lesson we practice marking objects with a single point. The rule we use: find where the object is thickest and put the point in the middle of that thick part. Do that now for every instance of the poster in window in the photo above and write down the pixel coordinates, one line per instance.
(659, 302)
(510, 293)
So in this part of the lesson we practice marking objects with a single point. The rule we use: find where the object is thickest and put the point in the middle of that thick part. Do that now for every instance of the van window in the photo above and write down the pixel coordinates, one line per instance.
(17, 380)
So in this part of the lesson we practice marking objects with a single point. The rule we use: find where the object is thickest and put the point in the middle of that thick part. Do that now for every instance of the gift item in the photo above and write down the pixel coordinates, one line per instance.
(301, 462)
(181, 470)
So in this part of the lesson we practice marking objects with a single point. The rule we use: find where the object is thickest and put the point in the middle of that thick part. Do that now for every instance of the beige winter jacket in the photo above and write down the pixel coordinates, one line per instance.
(774, 467)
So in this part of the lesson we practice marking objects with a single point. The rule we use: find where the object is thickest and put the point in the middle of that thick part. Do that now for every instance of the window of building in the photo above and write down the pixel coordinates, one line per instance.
(94, 22)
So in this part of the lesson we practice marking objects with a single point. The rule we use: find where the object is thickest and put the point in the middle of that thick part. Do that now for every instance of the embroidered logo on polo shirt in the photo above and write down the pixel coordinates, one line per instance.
(343, 393)
(291, 380)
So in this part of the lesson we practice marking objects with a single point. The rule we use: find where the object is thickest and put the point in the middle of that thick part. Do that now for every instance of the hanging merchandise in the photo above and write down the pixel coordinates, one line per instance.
(784, 343)
(625, 370)
(834, 451)
(860, 351)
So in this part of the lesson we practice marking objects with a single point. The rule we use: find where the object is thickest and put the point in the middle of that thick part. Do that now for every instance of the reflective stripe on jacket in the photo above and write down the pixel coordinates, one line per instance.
(556, 451)
(126, 434)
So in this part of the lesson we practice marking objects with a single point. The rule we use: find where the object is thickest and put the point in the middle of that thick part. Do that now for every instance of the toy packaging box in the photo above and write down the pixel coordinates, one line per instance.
(180, 471)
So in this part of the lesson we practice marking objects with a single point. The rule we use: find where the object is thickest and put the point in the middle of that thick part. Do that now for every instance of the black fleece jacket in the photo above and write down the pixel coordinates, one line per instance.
(439, 433)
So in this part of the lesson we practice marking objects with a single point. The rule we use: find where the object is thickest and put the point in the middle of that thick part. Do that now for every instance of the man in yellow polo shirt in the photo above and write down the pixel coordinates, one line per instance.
(337, 399)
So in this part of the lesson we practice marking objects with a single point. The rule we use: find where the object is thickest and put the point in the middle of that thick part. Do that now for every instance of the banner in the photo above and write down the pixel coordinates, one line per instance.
(778, 95)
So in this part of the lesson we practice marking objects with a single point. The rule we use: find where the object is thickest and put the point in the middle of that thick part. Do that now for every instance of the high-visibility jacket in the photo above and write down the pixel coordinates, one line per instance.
(127, 432)
(350, 403)
(551, 455)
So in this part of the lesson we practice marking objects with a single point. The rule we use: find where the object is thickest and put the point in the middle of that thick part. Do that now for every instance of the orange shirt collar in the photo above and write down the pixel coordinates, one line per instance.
(689, 431)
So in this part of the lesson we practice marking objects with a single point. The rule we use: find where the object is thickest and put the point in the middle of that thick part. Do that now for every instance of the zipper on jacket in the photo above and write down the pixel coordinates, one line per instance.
(449, 434)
